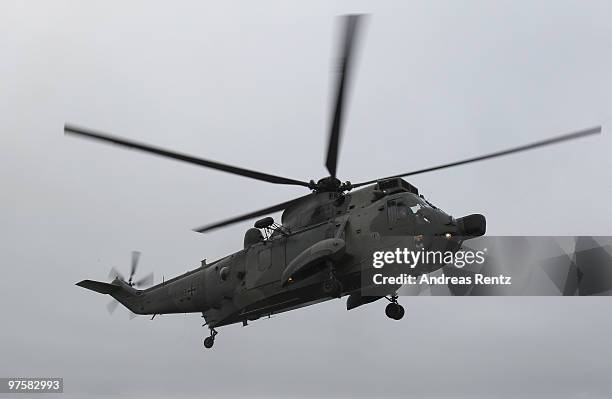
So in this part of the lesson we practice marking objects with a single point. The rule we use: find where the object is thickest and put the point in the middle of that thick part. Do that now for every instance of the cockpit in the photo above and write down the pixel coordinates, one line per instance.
(409, 208)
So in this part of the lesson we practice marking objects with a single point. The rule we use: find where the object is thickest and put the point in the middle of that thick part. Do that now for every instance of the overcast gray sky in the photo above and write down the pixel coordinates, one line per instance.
(248, 83)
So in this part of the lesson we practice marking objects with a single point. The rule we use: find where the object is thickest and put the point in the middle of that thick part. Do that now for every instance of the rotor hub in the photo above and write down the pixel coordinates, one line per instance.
(329, 184)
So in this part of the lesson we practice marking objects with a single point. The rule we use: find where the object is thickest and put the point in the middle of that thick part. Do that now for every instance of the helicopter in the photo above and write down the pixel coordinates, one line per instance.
(321, 246)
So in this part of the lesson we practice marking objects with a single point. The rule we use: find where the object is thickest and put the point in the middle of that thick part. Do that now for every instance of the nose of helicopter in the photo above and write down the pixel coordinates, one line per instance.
(474, 225)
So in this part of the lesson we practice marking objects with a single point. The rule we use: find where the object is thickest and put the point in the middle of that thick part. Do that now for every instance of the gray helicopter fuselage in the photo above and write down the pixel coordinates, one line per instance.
(248, 284)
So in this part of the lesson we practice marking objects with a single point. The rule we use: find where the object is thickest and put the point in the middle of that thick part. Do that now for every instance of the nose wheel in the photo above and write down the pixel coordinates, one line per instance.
(394, 310)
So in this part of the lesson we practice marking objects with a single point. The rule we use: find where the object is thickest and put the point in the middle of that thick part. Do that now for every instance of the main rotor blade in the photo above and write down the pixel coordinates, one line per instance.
(537, 144)
(70, 129)
(135, 257)
(251, 215)
(351, 25)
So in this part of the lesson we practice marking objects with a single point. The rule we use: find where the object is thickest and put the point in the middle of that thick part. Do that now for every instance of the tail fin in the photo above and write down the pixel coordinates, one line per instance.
(98, 286)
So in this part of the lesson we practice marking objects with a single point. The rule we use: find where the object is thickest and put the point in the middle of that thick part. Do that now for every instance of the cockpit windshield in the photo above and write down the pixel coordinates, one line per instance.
(409, 207)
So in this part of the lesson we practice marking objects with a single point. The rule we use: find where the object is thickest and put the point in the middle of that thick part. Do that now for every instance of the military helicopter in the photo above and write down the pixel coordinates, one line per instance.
(321, 246)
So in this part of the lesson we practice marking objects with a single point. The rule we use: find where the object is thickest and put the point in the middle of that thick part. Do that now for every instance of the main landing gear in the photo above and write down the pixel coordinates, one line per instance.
(210, 340)
(394, 310)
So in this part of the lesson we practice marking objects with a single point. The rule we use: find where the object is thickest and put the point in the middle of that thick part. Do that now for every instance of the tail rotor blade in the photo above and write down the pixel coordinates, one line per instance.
(135, 258)
(112, 306)
(114, 273)
(145, 281)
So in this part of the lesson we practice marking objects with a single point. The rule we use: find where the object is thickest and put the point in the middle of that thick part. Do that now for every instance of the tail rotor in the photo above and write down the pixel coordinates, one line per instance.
(140, 283)
(143, 282)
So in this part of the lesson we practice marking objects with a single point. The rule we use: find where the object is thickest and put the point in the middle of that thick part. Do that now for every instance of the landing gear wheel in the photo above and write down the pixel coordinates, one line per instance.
(394, 311)
(210, 340)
